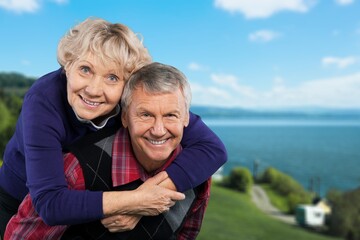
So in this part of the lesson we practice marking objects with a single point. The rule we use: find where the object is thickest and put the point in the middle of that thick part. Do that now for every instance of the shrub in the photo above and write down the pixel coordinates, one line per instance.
(287, 187)
(240, 179)
(344, 220)
(270, 175)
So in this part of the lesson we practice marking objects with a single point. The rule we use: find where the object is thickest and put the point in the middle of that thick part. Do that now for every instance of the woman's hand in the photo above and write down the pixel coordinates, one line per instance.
(149, 199)
(167, 183)
(121, 223)
(155, 199)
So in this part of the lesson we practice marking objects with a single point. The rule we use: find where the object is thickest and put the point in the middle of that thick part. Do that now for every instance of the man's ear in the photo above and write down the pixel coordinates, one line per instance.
(187, 119)
(124, 119)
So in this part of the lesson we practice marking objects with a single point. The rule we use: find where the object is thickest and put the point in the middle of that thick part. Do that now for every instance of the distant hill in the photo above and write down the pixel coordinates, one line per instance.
(300, 113)
(14, 84)
(15, 80)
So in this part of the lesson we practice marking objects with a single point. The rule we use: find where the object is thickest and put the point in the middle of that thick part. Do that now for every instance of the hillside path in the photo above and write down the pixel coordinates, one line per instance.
(261, 200)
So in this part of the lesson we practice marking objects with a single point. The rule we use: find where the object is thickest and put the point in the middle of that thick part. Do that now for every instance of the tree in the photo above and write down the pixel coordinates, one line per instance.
(15, 80)
(12, 89)
(7, 126)
(344, 220)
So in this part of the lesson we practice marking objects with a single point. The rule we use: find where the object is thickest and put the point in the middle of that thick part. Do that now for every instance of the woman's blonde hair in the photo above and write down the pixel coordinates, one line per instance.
(108, 41)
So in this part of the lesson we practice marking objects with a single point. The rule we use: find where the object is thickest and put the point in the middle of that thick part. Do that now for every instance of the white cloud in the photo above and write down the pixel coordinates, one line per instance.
(25, 62)
(205, 95)
(339, 92)
(20, 6)
(196, 67)
(335, 32)
(263, 36)
(231, 82)
(263, 8)
(338, 62)
(278, 81)
(60, 1)
(344, 2)
(334, 92)
(357, 31)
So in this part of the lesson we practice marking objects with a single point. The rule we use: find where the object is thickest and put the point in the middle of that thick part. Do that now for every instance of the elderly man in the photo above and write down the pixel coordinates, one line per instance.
(155, 110)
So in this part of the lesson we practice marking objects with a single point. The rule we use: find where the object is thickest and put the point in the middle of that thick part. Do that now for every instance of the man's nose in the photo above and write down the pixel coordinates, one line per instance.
(158, 128)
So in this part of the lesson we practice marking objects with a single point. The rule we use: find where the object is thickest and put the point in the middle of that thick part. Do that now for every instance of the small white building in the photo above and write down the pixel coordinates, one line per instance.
(218, 175)
(310, 216)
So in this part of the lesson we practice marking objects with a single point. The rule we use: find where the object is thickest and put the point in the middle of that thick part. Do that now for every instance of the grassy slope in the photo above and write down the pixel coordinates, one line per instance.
(232, 215)
(276, 200)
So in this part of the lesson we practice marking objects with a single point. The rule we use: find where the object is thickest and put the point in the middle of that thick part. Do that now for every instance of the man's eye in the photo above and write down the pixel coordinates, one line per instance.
(170, 115)
(145, 116)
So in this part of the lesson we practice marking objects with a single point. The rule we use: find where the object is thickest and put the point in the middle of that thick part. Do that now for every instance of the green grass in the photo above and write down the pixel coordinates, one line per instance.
(232, 216)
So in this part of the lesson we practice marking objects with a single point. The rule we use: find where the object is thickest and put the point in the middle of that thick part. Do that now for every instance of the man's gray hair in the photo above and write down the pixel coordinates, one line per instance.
(157, 78)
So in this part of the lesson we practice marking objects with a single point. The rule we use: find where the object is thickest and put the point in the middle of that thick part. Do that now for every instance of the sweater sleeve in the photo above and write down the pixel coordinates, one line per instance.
(203, 154)
(44, 131)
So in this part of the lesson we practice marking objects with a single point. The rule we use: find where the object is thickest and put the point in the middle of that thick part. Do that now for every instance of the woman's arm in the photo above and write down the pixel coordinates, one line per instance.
(43, 130)
(203, 154)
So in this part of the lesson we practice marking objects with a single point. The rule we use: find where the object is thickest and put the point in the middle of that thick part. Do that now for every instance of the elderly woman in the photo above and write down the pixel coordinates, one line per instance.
(96, 58)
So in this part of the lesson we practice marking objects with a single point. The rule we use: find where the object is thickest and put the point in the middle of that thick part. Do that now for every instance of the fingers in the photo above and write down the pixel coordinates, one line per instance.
(172, 203)
(158, 178)
(176, 196)
(120, 223)
(108, 221)
(168, 183)
(154, 199)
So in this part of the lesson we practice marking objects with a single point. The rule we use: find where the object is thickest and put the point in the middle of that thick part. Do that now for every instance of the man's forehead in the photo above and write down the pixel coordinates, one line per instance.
(142, 99)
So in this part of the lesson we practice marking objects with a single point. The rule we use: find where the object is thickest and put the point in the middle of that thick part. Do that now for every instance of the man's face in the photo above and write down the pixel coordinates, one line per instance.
(155, 123)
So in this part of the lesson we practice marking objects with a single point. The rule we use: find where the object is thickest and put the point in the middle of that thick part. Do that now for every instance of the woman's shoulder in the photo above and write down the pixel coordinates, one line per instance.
(49, 83)
(47, 95)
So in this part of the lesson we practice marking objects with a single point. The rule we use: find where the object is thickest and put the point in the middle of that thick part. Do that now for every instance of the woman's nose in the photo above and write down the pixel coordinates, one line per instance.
(94, 86)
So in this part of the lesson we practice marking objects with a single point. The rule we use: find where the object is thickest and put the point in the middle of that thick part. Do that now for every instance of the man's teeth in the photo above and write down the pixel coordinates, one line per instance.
(91, 103)
(157, 142)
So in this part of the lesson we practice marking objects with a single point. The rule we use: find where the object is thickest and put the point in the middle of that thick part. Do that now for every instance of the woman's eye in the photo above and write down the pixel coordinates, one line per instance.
(85, 69)
(113, 78)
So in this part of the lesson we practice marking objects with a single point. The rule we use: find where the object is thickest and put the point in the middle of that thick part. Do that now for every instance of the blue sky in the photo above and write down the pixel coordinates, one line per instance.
(261, 54)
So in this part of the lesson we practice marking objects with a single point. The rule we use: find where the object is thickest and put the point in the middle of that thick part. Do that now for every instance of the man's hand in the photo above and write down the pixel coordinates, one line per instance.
(121, 223)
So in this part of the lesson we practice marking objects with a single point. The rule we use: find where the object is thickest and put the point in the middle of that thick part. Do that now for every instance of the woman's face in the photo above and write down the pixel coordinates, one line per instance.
(93, 89)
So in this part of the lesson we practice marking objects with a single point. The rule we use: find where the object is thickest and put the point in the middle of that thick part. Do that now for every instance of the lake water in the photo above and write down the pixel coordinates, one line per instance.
(326, 151)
